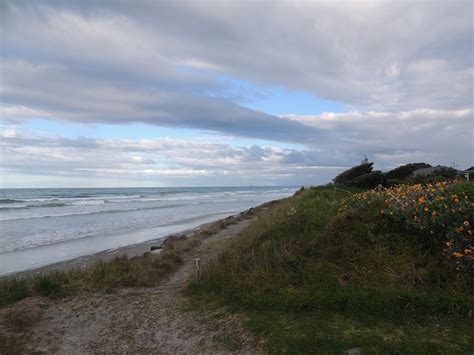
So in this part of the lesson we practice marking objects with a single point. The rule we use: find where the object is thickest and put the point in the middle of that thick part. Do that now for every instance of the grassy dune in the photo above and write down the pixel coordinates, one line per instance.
(313, 279)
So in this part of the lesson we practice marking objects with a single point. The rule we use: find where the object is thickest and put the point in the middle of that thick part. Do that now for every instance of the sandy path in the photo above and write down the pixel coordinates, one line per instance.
(148, 320)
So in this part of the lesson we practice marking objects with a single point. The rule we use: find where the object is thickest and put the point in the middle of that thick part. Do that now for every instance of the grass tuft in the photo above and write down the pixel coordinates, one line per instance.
(13, 290)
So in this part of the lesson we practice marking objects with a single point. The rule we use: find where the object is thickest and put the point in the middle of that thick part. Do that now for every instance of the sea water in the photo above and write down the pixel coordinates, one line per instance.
(44, 226)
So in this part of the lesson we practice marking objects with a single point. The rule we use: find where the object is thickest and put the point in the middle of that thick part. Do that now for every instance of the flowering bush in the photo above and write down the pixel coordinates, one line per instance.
(437, 211)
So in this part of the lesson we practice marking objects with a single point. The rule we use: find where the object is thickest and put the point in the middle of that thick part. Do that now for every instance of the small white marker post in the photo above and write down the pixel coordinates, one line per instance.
(198, 268)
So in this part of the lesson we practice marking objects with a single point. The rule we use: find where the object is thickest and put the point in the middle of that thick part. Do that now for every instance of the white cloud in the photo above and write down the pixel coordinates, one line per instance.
(189, 162)
(393, 70)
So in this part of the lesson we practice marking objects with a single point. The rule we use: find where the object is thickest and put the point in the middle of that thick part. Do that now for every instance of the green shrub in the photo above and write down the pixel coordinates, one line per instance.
(347, 176)
(441, 214)
(405, 171)
(369, 180)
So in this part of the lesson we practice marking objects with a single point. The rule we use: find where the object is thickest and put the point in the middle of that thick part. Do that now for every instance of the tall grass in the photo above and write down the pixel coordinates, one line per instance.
(101, 276)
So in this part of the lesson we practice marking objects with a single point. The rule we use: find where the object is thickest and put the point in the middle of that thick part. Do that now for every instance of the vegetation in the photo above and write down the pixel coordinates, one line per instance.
(101, 276)
(363, 175)
(346, 177)
(369, 180)
(324, 273)
(405, 171)
(442, 174)
(360, 176)
(441, 214)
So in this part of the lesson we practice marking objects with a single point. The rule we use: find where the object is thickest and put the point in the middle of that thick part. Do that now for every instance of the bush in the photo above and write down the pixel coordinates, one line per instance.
(440, 175)
(405, 171)
(347, 176)
(441, 214)
(369, 180)
(449, 173)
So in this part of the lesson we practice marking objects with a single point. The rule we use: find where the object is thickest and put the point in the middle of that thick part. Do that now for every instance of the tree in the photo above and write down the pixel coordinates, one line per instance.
(346, 176)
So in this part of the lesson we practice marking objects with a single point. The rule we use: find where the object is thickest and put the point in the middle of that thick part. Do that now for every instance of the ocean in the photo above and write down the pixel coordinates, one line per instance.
(39, 227)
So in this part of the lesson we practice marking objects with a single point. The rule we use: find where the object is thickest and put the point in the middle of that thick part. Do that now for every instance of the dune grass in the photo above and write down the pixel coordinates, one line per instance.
(101, 276)
(311, 279)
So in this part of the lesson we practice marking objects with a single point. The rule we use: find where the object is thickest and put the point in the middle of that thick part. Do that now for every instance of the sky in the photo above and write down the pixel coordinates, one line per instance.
(226, 93)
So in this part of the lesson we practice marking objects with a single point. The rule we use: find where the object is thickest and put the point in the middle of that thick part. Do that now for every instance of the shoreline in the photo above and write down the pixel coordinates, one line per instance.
(138, 249)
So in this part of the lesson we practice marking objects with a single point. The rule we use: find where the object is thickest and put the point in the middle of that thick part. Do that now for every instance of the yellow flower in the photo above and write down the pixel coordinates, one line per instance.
(457, 254)
(466, 223)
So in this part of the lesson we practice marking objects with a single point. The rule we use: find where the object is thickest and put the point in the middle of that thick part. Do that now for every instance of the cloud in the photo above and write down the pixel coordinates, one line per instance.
(390, 138)
(53, 92)
(387, 138)
(161, 159)
(385, 56)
